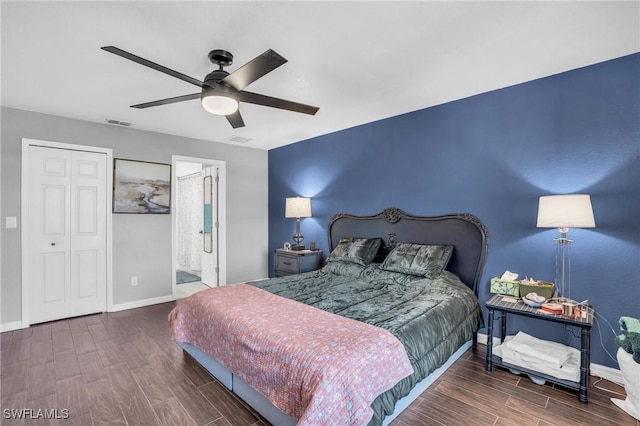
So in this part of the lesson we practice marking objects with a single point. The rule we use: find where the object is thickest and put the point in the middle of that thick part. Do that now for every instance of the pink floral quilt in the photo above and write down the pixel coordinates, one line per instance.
(318, 367)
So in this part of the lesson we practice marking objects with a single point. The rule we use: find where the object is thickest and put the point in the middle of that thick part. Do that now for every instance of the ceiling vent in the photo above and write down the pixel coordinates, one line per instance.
(238, 139)
(117, 123)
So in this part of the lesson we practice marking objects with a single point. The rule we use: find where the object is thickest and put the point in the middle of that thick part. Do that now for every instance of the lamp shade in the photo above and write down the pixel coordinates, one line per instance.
(565, 211)
(297, 207)
(219, 103)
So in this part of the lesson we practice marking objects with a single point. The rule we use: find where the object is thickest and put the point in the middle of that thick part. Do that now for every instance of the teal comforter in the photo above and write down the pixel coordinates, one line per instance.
(431, 317)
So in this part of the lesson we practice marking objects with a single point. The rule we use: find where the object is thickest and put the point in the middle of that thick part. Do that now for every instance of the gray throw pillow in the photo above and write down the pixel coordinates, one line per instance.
(418, 259)
(357, 250)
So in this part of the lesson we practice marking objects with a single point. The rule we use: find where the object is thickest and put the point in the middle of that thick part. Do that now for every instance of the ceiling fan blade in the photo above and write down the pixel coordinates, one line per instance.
(254, 69)
(152, 65)
(235, 119)
(255, 98)
(168, 101)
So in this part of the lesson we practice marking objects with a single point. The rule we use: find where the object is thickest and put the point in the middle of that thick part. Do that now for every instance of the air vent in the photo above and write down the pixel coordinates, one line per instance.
(117, 123)
(238, 139)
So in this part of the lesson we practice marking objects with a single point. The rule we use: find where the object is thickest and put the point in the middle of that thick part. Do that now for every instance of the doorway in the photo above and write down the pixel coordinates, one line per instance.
(66, 230)
(198, 224)
(188, 211)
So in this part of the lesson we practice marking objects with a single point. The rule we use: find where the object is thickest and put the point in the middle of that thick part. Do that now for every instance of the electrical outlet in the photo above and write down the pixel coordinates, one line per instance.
(134, 281)
(11, 222)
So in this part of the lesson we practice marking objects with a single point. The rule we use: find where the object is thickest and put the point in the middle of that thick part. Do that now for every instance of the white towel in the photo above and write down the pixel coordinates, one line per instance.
(569, 371)
(555, 354)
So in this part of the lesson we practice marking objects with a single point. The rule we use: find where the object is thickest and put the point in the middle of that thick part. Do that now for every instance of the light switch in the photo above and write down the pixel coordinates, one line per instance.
(12, 222)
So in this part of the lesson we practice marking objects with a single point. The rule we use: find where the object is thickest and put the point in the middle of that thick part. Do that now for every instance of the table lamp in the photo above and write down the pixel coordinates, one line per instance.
(297, 207)
(564, 212)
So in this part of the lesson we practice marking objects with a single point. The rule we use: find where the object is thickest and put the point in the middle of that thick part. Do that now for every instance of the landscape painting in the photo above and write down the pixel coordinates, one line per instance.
(141, 187)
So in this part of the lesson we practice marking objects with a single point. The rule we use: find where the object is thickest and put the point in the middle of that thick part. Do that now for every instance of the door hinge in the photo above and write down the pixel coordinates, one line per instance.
(217, 269)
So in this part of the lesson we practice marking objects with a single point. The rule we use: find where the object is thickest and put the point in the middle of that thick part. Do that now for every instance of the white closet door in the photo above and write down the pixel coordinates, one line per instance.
(67, 233)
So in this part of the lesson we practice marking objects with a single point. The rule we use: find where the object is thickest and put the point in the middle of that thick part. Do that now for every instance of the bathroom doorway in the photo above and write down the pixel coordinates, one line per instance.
(198, 225)
(188, 222)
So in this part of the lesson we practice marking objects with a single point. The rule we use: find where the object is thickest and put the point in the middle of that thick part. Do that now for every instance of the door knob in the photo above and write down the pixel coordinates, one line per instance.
(53, 244)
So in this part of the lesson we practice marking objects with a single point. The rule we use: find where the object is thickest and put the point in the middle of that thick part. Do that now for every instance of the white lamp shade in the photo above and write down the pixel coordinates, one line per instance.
(297, 207)
(218, 104)
(565, 211)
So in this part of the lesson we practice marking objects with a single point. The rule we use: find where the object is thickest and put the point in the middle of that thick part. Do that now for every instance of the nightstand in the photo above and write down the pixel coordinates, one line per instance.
(507, 307)
(289, 262)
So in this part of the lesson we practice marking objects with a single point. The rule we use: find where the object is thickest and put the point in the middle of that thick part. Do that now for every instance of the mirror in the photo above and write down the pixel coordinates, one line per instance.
(207, 214)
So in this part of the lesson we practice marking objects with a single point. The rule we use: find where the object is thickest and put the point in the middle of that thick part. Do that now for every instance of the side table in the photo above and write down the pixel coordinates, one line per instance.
(508, 307)
(289, 262)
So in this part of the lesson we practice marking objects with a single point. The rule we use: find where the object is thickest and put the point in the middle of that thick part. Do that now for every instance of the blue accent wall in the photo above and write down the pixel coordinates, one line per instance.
(493, 155)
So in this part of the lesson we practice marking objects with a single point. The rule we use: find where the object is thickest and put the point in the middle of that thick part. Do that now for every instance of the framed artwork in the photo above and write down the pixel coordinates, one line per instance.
(141, 187)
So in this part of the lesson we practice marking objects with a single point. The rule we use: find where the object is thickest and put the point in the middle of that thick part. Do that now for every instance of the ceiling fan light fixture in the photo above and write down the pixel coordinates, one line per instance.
(219, 103)
(220, 91)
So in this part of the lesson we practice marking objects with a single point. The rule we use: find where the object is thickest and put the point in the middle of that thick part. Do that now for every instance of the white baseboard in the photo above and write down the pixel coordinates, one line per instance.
(612, 374)
(482, 339)
(17, 325)
(141, 303)
(10, 326)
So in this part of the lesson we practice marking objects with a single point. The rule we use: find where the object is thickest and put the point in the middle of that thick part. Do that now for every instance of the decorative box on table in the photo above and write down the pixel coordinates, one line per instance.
(541, 288)
(509, 288)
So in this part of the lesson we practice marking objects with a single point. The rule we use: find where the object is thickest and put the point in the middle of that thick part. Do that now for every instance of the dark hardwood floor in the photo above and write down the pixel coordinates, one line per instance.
(123, 369)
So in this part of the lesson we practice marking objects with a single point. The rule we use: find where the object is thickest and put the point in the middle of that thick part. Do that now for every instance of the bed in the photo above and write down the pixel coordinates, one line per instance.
(400, 289)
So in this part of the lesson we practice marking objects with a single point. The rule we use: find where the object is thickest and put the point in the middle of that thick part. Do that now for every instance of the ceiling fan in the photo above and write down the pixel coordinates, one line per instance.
(220, 91)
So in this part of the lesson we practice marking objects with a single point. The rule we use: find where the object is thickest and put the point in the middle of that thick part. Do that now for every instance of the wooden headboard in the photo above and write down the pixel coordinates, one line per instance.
(464, 231)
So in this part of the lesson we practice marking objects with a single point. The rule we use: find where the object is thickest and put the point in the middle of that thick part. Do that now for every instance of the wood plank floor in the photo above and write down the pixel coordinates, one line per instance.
(123, 369)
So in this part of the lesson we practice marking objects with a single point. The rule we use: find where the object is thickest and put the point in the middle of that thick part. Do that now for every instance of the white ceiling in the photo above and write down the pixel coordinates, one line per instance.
(358, 61)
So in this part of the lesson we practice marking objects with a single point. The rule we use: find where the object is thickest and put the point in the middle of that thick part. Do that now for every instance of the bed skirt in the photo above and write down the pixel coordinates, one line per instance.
(276, 417)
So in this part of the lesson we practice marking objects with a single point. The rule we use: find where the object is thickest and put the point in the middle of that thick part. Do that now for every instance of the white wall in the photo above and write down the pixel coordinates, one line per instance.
(141, 243)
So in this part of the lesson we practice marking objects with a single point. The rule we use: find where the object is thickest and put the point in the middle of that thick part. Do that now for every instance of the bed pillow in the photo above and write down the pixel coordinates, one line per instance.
(357, 250)
(418, 259)
(346, 269)
(374, 274)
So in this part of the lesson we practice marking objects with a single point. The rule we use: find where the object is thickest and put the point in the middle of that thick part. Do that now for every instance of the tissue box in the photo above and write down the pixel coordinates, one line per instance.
(510, 288)
(542, 288)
